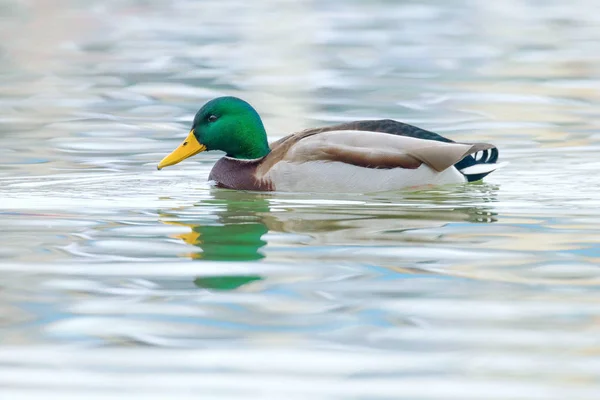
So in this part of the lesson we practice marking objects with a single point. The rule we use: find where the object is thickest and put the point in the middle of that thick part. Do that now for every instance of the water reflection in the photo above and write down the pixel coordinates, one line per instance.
(235, 235)
(233, 226)
(383, 218)
(470, 292)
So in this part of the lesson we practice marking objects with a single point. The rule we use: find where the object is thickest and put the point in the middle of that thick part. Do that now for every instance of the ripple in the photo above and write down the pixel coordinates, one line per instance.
(117, 278)
(112, 146)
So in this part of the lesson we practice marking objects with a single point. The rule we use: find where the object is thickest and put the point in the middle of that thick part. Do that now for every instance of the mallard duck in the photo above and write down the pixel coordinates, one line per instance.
(361, 156)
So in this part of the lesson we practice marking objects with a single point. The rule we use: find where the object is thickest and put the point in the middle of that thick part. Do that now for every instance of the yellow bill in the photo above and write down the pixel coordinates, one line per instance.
(188, 148)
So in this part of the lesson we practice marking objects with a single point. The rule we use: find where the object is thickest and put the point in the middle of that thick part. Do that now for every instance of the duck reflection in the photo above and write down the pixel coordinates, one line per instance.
(236, 234)
(243, 218)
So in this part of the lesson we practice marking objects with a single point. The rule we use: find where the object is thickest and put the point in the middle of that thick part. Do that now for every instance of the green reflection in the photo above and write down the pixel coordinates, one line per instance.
(225, 282)
(230, 226)
(228, 242)
(236, 234)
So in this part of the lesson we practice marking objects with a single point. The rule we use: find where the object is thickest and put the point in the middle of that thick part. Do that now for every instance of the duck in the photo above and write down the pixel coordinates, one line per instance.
(364, 156)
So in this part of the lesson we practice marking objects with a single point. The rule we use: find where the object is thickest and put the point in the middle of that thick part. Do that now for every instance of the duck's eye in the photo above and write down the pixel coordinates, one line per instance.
(212, 118)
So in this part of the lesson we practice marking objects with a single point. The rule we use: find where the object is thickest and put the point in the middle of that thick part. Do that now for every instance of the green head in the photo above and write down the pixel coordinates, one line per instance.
(228, 124)
(231, 125)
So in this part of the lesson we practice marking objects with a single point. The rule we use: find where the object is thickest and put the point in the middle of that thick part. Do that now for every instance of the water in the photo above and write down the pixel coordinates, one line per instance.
(122, 281)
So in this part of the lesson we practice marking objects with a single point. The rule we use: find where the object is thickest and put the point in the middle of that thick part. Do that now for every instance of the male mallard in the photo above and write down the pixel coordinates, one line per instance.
(361, 156)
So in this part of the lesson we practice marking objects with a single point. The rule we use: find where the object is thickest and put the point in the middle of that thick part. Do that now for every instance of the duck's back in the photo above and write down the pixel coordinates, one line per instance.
(361, 156)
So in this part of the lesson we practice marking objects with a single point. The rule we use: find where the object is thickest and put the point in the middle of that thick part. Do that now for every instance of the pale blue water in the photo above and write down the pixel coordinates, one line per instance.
(120, 281)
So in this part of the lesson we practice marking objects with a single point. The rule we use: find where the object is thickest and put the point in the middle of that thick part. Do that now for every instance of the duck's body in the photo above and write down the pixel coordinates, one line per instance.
(361, 156)
(348, 161)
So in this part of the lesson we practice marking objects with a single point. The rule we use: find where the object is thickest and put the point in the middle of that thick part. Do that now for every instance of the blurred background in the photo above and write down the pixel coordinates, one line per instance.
(119, 281)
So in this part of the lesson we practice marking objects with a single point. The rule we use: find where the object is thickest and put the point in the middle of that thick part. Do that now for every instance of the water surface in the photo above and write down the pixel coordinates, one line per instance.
(122, 281)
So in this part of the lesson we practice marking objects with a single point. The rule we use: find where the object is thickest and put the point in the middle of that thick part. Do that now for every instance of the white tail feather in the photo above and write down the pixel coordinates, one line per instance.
(482, 168)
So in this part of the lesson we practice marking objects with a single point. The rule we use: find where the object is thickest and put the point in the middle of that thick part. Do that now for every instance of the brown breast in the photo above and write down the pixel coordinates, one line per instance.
(238, 174)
